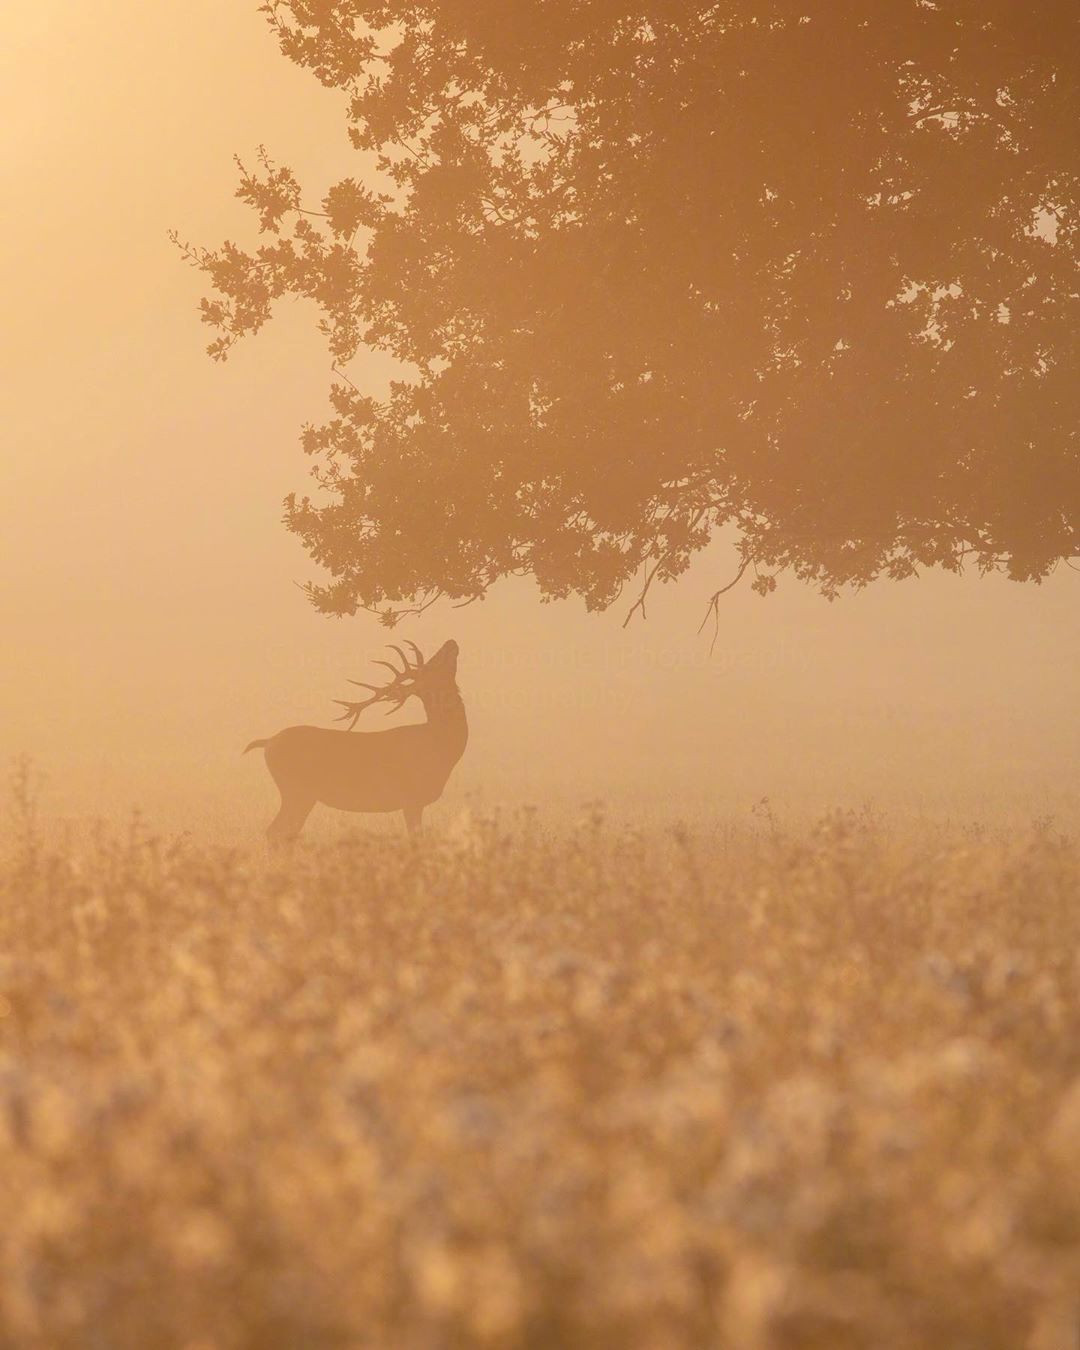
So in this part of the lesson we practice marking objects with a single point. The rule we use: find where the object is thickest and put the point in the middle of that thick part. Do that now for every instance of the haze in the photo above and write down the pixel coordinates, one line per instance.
(148, 603)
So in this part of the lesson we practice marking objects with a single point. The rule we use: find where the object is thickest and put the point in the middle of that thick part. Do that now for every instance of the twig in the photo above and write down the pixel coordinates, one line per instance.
(336, 370)
(639, 603)
(714, 604)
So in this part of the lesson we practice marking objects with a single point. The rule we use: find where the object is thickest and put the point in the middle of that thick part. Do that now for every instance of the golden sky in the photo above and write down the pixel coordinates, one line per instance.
(148, 605)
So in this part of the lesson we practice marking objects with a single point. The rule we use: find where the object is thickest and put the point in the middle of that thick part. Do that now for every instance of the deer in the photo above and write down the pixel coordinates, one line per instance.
(402, 768)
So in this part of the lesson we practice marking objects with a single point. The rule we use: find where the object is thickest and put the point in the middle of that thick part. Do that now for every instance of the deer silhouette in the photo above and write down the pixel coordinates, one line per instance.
(400, 769)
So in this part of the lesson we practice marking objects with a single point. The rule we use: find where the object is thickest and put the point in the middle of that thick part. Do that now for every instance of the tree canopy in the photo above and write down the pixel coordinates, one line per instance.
(807, 269)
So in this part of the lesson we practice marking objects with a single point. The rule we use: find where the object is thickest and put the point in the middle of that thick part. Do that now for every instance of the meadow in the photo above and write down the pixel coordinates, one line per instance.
(743, 1084)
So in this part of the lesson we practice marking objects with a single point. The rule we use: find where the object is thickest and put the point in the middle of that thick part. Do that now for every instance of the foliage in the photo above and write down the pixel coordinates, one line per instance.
(807, 269)
(603, 1088)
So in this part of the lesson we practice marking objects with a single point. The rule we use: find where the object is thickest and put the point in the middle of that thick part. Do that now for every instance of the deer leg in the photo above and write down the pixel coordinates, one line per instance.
(289, 821)
(414, 817)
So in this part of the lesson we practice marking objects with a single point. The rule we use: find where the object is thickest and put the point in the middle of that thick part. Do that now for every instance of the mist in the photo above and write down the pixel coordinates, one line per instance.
(152, 604)
(692, 960)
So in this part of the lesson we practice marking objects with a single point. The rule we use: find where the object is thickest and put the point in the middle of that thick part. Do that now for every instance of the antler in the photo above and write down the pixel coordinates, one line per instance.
(385, 693)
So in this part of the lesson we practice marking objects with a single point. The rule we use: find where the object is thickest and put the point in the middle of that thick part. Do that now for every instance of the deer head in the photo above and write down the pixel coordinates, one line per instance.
(416, 678)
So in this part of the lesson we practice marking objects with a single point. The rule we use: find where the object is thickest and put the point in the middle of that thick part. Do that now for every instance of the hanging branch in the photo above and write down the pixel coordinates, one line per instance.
(714, 603)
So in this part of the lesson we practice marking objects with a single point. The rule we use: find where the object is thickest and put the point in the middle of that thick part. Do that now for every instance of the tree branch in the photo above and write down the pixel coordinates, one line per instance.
(336, 370)
(714, 603)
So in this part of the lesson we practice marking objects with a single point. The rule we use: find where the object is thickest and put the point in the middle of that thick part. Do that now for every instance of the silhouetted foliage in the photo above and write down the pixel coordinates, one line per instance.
(808, 269)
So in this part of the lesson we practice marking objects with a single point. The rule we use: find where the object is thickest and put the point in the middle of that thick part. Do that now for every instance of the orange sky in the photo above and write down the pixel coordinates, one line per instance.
(151, 621)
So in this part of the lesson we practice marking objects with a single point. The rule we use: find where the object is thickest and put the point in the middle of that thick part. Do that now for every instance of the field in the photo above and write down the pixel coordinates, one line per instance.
(745, 1086)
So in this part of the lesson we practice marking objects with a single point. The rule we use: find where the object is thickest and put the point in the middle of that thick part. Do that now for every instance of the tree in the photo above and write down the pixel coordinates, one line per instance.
(803, 267)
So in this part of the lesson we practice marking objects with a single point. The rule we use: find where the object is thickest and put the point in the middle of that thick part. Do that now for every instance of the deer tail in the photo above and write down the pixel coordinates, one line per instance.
(256, 745)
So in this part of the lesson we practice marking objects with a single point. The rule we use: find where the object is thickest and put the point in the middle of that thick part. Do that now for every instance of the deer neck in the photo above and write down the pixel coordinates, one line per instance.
(446, 717)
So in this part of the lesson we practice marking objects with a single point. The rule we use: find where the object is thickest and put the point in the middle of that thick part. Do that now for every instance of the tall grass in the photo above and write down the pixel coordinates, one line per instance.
(595, 1086)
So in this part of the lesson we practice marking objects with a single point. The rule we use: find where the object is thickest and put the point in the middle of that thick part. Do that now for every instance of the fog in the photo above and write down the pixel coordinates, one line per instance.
(150, 606)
